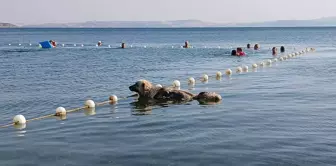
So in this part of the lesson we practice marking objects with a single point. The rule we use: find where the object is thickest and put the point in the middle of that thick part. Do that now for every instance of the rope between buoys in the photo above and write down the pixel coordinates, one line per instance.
(69, 111)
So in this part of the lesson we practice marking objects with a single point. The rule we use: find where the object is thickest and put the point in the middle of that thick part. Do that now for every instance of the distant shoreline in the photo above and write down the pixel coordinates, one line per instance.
(322, 22)
(18, 27)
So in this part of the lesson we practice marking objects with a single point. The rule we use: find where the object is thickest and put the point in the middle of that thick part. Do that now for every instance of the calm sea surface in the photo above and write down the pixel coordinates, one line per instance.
(279, 115)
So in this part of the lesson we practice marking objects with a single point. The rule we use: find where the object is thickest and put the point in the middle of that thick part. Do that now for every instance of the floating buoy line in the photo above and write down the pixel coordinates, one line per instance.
(90, 45)
(20, 120)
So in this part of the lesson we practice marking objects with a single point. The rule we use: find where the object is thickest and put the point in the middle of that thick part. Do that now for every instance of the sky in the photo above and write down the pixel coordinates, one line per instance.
(218, 11)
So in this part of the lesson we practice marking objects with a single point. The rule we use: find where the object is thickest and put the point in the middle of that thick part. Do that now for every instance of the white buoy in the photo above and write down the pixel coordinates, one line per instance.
(172, 46)
(191, 81)
(60, 111)
(254, 66)
(75, 45)
(275, 60)
(219, 74)
(281, 59)
(219, 47)
(245, 68)
(90, 103)
(19, 119)
(158, 85)
(9, 44)
(228, 72)
(30, 44)
(239, 70)
(297, 54)
(113, 99)
(205, 77)
(20, 44)
(261, 64)
(109, 46)
(269, 62)
(205, 46)
(145, 46)
(82, 45)
(63, 45)
(176, 84)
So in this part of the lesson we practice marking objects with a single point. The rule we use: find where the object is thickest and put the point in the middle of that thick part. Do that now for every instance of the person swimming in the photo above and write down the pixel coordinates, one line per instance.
(53, 43)
(240, 52)
(248, 46)
(100, 43)
(186, 44)
(274, 51)
(234, 53)
(123, 45)
(256, 47)
(282, 49)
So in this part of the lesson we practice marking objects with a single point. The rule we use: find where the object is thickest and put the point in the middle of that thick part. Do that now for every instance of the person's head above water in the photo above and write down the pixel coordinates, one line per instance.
(282, 49)
(234, 52)
(274, 50)
(123, 45)
(100, 43)
(256, 46)
(239, 49)
(249, 46)
(186, 44)
(52, 42)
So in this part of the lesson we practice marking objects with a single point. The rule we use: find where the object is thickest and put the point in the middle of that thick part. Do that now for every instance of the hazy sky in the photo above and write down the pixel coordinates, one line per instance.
(47, 11)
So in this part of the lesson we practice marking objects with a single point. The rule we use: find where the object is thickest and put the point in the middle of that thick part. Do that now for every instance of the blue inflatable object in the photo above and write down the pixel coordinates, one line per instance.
(46, 44)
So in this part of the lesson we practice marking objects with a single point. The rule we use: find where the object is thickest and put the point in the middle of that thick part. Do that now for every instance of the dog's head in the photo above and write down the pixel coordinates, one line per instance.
(141, 87)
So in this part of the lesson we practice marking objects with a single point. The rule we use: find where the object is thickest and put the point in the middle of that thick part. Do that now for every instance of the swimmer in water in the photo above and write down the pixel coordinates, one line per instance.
(282, 49)
(234, 53)
(274, 51)
(100, 43)
(256, 47)
(186, 44)
(240, 52)
(249, 46)
(53, 43)
(123, 45)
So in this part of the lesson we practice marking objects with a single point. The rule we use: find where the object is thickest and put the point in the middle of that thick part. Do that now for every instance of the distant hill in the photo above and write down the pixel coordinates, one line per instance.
(7, 25)
(321, 22)
(328, 21)
(129, 24)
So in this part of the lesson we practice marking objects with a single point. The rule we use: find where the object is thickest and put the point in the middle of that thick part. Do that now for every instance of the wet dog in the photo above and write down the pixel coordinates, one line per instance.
(147, 91)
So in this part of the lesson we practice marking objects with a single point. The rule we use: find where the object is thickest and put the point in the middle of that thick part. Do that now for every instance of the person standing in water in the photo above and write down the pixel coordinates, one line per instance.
(274, 51)
(186, 44)
(100, 43)
(234, 53)
(282, 49)
(240, 52)
(123, 45)
(256, 47)
(249, 46)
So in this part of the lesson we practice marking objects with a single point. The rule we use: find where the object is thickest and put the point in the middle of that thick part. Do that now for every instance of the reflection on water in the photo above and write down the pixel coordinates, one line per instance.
(89, 111)
(62, 117)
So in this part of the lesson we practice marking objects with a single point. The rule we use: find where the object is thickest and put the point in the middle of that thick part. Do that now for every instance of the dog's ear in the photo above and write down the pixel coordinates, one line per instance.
(146, 86)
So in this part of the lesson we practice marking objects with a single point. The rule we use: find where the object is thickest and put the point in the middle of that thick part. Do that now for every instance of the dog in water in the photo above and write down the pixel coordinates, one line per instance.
(147, 91)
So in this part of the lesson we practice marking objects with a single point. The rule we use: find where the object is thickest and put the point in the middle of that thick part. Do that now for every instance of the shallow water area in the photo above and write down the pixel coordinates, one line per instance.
(281, 114)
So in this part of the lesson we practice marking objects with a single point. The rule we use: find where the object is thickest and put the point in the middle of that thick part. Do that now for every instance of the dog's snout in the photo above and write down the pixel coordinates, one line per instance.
(131, 88)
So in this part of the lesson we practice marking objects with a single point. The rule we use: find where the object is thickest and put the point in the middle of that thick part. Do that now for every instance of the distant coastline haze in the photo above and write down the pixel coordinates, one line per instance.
(35, 12)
